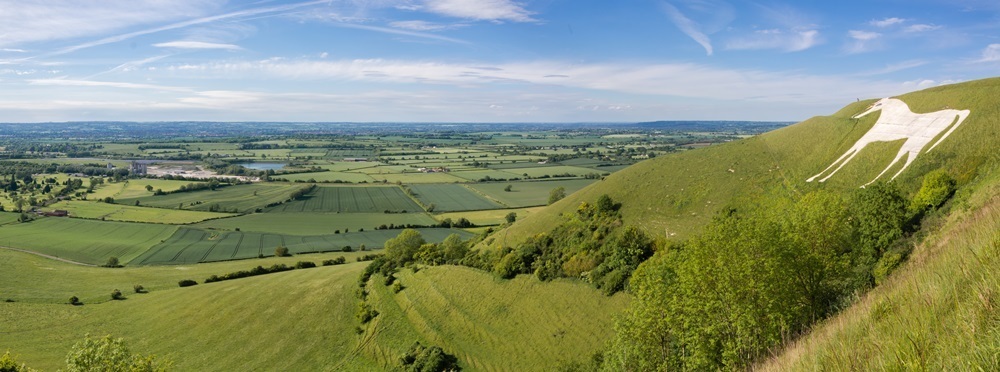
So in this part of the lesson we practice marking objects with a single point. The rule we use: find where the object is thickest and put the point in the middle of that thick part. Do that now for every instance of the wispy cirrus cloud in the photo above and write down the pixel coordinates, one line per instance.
(187, 44)
(106, 84)
(481, 10)
(789, 41)
(418, 25)
(24, 22)
(688, 27)
(886, 22)
(396, 31)
(990, 54)
(862, 41)
(920, 27)
(895, 67)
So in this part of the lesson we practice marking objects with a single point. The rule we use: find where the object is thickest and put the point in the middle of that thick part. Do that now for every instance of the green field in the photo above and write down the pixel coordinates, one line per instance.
(451, 198)
(84, 240)
(190, 245)
(479, 173)
(312, 223)
(136, 188)
(551, 171)
(488, 217)
(528, 193)
(418, 177)
(326, 177)
(242, 198)
(349, 199)
(127, 213)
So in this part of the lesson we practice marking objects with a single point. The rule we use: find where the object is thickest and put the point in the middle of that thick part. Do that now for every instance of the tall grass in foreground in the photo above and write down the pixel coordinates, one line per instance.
(939, 312)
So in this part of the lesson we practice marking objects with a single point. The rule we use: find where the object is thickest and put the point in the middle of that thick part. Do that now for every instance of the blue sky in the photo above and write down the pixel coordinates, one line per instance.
(479, 60)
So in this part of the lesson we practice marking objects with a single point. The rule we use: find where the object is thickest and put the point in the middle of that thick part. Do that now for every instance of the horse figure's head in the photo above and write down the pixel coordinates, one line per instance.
(875, 107)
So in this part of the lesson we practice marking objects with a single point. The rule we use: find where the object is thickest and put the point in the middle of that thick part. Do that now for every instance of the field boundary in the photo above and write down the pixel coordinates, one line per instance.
(57, 258)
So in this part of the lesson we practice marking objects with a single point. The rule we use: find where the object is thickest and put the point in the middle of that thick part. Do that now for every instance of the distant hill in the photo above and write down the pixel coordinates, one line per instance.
(754, 127)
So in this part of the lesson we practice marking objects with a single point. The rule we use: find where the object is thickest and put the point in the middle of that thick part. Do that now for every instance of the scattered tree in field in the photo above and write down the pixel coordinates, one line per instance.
(557, 194)
(112, 262)
(510, 217)
(139, 288)
(117, 295)
(186, 283)
(420, 358)
(149, 188)
(72, 301)
(508, 188)
(431, 207)
(110, 354)
(281, 251)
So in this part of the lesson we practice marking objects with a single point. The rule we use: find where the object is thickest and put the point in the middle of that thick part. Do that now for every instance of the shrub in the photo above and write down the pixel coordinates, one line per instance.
(139, 289)
(72, 301)
(336, 261)
(110, 354)
(186, 283)
(433, 358)
(281, 252)
(348, 248)
(397, 287)
(304, 264)
(9, 364)
(112, 262)
(117, 295)
(365, 312)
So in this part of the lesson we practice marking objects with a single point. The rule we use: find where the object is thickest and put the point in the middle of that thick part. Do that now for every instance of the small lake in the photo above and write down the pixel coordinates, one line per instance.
(263, 166)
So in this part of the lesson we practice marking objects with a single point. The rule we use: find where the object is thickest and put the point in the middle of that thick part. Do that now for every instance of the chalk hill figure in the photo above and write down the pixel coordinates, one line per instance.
(897, 122)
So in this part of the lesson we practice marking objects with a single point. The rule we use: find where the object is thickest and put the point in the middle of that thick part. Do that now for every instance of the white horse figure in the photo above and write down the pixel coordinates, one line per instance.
(898, 122)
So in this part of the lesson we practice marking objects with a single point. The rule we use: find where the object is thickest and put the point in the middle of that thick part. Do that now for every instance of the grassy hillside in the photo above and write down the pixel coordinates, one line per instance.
(301, 319)
(675, 195)
(937, 313)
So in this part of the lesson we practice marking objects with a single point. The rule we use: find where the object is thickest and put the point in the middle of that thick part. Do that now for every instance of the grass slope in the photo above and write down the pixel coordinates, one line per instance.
(675, 195)
(304, 319)
(938, 312)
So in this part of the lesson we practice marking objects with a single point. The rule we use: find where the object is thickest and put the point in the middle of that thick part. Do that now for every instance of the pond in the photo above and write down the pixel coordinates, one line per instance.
(264, 166)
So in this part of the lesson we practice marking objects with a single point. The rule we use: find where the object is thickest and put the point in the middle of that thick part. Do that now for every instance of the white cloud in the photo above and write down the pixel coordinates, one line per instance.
(680, 80)
(324, 55)
(107, 84)
(886, 22)
(24, 22)
(920, 28)
(424, 25)
(13, 50)
(791, 41)
(863, 35)
(990, 54)
(483, 10)
(688, 27)
(888, 69)
(394, 31)
(196, 45)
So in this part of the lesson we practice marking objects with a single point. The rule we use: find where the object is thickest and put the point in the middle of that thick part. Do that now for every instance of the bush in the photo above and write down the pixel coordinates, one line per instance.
(336, 261)
(186, 283)
(282, 252)
(348, 248)
(397, 287)
(110, 354)
(304, 264)
(117, 295)
(112, 262)
(9, 364)
(365, 312)
(72, 301)
(433, 358)
(138, 288)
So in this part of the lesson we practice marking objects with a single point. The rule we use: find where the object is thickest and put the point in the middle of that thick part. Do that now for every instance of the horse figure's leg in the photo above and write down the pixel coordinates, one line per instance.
(899, 155)
(848, 155)
(961, 117)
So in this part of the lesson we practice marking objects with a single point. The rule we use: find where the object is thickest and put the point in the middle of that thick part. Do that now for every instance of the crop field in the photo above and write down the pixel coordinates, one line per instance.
(487, 217)
(190, 245)
(326, 177)
(242, 198)
(128, 213)
(418, 177)
(348, 166)
(349, 199)
(349, 153)
(479, 173)
(528, 193)
(84, 240)
(557, 170)
(136, 188)
(312, 223)
(450, 198)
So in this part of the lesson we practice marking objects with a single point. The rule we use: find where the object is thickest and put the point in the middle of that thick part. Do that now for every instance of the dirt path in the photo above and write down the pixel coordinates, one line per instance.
(48, 256)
